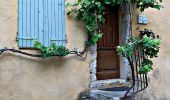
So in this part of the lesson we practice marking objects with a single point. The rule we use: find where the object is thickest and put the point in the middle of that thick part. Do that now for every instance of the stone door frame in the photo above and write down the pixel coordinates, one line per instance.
(125, 31)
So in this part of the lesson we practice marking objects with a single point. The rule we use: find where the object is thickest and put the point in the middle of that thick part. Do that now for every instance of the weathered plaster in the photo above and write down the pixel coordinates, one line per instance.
(26, 78)
(159, 88)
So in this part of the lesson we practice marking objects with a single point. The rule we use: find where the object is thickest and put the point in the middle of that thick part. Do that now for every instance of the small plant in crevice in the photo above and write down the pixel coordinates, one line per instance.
(148, 45)
(52, 50)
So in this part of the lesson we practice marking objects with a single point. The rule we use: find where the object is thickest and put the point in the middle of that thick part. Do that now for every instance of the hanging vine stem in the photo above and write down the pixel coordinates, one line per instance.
(80, 54)
(75, 52)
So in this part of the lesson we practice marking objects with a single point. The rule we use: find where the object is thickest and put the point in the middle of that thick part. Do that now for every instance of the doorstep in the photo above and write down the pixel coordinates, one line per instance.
(113, 89)
(109, 83)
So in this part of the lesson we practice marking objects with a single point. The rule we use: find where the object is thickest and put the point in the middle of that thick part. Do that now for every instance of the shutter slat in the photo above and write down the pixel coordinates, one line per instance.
(32, 21)
(41, 23)
(53, 21)
(36, 19)
(57, 21)
(64, 26)
(60, 26)
(20, 21)
(28, 30)
(45, 19)
(24, 22)
(50, 20)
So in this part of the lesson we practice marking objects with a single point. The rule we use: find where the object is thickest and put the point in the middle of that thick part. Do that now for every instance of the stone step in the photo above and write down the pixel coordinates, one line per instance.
(113, 89)
(107, 83)
(103, 95)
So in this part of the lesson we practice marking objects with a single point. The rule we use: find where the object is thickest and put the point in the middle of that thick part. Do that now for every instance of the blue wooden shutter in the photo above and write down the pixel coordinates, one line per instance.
(43, 20)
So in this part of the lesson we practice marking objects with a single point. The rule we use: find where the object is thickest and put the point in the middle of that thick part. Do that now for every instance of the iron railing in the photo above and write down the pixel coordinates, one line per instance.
(139, 80)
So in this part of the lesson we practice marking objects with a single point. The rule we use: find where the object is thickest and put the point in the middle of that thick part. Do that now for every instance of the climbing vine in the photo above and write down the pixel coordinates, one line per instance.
(91, 12)
(148, 44)
(52, 50)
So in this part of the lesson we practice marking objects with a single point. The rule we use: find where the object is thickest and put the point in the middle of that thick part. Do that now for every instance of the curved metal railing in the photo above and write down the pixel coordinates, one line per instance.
(139, 80)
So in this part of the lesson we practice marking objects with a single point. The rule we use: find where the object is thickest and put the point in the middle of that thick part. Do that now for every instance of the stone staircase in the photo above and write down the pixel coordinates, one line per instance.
(107, 90)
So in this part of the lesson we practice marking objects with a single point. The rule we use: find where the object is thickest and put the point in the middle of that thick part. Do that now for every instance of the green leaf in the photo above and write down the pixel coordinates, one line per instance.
(51, 50)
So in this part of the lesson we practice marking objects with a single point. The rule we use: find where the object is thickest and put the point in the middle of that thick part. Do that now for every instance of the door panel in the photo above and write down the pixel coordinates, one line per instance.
(107, 58)
(110, 29)
(107, 74)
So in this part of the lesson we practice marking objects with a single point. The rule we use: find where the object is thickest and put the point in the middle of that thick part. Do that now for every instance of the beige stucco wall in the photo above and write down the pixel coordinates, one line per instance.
(26, 78)
(159, 81)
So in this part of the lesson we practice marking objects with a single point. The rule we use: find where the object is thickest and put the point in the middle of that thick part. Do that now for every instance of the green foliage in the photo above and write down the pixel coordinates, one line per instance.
(151, 46)
(91, 12)
(148, 44)
(126, 50)
(144, 4)
(145, 69)
(93, 40)
(52, 50)
(146, 66)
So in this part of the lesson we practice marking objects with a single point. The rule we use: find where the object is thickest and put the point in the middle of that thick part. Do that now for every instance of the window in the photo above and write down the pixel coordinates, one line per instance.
(43, 20)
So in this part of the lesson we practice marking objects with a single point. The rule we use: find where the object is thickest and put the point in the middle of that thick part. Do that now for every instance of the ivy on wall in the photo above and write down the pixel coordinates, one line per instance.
(52, 50)
(91, 13)
(148, 45)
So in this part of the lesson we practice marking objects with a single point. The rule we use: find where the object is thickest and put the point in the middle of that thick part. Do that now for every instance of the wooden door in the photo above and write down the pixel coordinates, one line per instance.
(107, 58)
